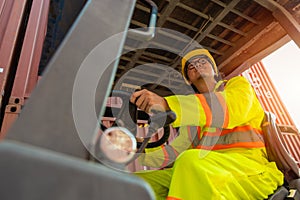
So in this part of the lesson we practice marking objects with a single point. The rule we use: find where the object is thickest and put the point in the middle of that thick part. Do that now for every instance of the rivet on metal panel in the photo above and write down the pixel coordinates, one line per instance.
(13, 109)
(16, 100)
(16, 109)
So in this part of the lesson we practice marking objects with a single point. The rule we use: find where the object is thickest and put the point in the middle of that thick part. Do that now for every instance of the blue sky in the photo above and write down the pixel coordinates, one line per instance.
(283, 67)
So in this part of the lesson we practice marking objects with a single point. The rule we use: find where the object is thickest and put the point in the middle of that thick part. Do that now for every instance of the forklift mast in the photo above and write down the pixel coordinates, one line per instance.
(43, 156)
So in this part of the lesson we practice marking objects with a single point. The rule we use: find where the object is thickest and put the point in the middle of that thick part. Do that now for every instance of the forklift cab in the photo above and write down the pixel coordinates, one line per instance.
(45, 154)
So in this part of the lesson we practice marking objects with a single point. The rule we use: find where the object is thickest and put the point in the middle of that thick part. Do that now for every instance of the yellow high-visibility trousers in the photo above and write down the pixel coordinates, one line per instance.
(201, 174)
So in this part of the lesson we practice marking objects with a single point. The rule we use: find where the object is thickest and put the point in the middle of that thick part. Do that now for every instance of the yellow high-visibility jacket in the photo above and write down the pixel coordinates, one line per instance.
(219, 120)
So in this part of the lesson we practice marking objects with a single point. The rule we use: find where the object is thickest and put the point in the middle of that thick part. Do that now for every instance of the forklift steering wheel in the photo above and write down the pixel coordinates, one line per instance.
(129, 109)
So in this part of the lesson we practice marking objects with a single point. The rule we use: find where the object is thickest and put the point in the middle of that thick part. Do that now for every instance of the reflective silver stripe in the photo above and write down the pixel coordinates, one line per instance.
(193, 131)
(171, 153)
(231, 138)
(216, 108)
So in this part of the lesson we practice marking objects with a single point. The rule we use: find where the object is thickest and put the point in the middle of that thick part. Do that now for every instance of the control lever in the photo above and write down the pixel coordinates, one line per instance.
(150, 33)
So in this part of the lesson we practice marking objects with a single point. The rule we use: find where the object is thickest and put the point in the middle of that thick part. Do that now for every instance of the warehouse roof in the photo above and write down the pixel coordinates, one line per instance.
(238, 33)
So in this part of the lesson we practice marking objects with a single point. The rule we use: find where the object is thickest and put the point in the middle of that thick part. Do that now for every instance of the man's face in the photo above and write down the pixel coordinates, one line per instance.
(199, 68)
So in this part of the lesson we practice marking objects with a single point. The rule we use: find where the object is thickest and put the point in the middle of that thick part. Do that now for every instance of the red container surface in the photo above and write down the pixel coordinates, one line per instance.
(271, 101)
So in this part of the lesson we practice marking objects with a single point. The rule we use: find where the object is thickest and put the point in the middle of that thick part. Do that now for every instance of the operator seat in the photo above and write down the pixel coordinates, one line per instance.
(285, 162)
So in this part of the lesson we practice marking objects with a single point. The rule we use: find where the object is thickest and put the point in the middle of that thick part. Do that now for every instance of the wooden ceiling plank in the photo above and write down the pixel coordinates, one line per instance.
(258, 57)
(137, 23)
(244, 42)
(220, 39)
(166, 13)
(217, 20)
(165, 47)
(264, 40)
(286, 19)
(161, 20)
(200, 35)
(192, 10)
(250, 19)
(183, 24)
(233, 29)
(173, 36)
(157, 57)
(290, 25)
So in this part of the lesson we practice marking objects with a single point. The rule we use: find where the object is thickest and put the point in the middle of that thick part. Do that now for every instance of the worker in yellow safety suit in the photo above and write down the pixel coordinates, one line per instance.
(219, 153)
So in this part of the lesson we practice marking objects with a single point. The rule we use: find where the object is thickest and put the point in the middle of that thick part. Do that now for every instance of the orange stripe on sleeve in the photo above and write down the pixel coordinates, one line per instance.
(189, 133)
(166, 156)
(199, 132)
(172, 198)
(234, 145)
(206, 109)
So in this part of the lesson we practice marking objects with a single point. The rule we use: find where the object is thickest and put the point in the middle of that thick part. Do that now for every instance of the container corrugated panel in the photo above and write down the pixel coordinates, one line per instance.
(271, 101)
(267, 93)
(26, 75)
(292, 141)
(12, 16)
(11, 19)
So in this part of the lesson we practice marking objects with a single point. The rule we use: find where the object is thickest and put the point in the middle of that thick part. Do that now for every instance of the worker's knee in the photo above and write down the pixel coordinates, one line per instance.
(187, 158)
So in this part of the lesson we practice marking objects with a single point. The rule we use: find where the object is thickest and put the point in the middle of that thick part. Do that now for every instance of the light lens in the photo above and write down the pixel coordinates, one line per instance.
(118, 144)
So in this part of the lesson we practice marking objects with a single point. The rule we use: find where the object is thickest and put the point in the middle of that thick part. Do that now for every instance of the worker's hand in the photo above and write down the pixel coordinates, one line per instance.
(149, 101)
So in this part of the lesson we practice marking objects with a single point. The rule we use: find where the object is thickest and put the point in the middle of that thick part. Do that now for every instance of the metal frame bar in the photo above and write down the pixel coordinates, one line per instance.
(27, 71)
(11, 19)
(47, 120)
